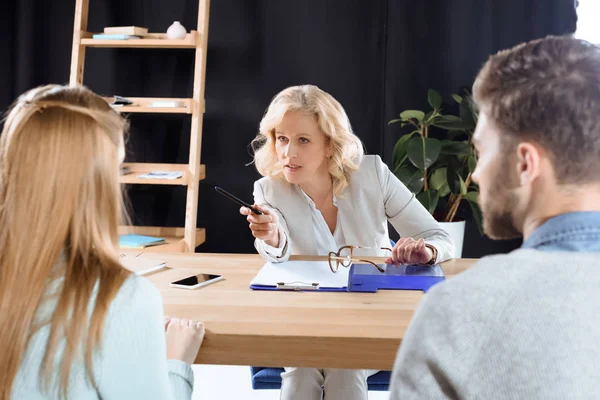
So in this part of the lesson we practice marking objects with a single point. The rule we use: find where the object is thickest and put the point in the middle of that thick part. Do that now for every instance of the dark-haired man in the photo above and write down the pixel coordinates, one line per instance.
(525, 325)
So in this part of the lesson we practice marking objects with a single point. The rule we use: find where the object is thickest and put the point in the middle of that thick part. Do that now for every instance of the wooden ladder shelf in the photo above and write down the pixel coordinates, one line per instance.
(184, 239)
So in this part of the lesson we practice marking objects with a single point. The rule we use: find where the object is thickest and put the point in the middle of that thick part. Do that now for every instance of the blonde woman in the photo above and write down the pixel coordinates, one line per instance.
(319, 193)
(74, 323)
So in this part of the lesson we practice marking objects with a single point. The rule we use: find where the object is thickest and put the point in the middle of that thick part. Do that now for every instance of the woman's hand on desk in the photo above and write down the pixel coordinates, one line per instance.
(264, 227)
(184, 338)
(410, 251)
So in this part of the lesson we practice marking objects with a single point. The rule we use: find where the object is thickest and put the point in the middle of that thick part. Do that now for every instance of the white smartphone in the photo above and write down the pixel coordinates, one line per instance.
(196, 281)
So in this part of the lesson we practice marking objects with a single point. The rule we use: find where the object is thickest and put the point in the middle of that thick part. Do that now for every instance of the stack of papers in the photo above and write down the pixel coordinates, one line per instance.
(140, 265)
(133, 241)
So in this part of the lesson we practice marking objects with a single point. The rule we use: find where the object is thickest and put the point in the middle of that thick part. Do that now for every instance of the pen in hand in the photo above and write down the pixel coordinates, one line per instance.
(237, 200)
(264, 226)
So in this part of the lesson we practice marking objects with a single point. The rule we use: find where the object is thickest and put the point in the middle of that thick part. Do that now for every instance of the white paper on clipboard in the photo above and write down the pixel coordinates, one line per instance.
(301, 272)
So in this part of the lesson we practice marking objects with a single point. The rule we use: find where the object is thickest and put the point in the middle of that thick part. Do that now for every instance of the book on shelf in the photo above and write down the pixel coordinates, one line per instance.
(113, 36)
(126, 30)
(134, 241)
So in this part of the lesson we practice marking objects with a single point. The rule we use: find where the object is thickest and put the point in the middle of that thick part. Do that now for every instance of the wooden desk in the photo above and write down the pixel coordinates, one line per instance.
(301, 329)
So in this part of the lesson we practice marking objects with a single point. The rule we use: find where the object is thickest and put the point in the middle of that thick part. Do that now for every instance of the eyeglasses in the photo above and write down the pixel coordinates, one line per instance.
(344, 257)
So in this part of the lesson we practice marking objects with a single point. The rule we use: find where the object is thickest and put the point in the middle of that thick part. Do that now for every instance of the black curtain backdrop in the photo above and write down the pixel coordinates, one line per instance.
(376, 57)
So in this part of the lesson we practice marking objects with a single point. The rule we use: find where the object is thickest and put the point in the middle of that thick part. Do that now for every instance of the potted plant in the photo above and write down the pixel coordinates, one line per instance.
(438, 170)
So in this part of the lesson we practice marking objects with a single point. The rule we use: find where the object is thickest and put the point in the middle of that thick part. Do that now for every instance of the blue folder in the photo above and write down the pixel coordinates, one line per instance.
(365, 278)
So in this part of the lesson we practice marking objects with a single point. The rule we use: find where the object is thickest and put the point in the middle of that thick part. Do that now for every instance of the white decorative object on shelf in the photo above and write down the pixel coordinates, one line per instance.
(176, 31)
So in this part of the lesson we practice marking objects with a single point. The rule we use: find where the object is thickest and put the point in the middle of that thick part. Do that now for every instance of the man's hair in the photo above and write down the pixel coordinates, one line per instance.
(548, 91)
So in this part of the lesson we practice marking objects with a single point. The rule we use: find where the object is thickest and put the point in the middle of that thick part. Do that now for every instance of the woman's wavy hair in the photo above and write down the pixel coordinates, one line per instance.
(347, 149)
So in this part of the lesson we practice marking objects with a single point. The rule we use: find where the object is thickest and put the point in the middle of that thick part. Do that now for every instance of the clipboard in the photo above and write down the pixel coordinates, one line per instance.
(299, 287)
(303, 276)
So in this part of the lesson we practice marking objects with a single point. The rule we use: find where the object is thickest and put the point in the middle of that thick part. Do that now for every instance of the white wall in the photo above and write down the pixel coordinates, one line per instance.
(588, 20)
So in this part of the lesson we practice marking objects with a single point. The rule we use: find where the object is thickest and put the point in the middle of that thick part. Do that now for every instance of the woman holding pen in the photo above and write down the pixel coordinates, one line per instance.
(319, 193)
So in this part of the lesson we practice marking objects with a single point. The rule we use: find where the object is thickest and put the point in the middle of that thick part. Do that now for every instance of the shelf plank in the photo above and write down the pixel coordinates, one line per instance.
(173, 237)
(136, 169)
(149, 41)
(143, 105)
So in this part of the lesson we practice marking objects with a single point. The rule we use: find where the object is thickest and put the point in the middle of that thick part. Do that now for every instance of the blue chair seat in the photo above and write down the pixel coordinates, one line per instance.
(270, 378)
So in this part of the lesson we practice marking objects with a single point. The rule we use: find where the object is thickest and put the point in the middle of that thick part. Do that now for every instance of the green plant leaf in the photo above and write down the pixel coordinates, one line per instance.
(473, 108)
(444, 190)
(442, 161)
(423, 152)
(464, 170)
(451, 123)
(416, 114)
(465, 114)
(472, 196)
(434, 98)
(394, 121)
(429, 199)
(411, 177)
(399, 154)
(456, 163)
(452, 135)
(432, 116)
(457, 98)
(437, 178)
(455, 182)
(472, 163)
(463, 186)
(477, 216)
(456, 148)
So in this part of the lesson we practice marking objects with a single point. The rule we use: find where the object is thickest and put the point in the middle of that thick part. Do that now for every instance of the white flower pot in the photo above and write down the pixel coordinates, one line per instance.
(176, 31)
(456, 230)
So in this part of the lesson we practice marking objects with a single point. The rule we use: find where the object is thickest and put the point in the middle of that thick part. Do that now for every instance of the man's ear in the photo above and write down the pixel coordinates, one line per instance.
(529, 160)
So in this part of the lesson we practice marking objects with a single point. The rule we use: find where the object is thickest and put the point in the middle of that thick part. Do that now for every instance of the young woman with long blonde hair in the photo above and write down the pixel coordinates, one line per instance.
(319, 193)
(74, 323)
